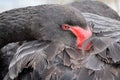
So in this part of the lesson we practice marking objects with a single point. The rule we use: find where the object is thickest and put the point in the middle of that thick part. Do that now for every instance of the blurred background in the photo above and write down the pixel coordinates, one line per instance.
(10, 4)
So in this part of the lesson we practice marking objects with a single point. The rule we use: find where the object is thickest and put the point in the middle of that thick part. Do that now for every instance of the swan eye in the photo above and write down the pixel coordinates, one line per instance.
(65, 27)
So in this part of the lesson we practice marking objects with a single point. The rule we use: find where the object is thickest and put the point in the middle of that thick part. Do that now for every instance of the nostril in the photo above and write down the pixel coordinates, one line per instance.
(65, 27)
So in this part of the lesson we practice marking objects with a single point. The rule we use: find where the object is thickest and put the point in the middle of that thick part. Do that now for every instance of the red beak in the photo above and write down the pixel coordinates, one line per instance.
(81, 34)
